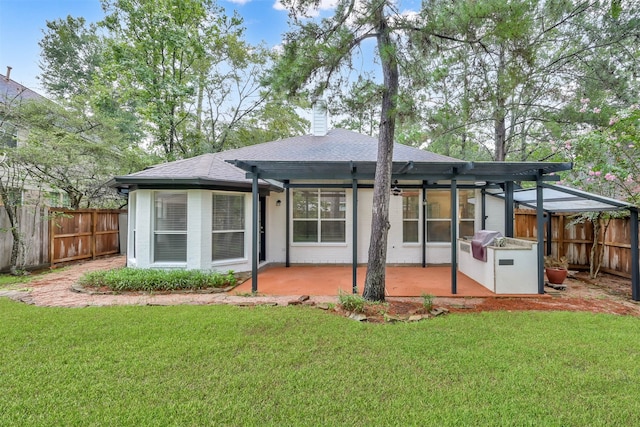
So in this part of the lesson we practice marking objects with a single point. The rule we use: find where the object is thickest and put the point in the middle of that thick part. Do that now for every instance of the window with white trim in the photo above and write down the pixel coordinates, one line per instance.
(319, 216)
(466, 212)
(170, 226)
(410, 216)
(8, 135)
(228, 227)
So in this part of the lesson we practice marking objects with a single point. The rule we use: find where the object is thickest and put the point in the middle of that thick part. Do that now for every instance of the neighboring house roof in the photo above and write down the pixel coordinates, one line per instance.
(338, 145)
(10, 89)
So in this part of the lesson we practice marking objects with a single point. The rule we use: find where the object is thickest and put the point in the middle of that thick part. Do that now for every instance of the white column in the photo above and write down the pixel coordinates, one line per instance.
(144, 228)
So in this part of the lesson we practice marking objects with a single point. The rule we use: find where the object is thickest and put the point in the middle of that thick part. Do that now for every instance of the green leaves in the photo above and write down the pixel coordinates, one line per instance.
(606, 159)
(154, 280)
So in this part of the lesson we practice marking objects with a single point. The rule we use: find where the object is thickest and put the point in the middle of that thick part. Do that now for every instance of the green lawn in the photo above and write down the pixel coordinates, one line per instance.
(222, 365)
(7, 281)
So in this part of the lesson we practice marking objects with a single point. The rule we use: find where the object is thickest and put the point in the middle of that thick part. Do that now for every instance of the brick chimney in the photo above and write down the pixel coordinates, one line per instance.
(319, 121)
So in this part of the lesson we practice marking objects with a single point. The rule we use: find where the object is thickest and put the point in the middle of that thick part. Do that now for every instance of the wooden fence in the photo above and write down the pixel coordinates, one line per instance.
(34, 229)
(575, 240)
(83, 234)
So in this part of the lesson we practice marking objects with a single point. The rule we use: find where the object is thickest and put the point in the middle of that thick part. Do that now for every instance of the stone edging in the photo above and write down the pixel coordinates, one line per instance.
(76, 287)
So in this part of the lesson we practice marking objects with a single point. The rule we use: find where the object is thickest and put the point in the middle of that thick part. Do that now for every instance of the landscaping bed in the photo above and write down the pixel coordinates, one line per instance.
(607, 294)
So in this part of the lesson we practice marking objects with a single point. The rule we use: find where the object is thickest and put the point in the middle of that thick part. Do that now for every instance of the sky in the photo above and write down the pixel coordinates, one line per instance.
(22, 23)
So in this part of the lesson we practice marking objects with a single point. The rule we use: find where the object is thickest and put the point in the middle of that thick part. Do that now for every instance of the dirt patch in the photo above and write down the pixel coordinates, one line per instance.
(607, 294)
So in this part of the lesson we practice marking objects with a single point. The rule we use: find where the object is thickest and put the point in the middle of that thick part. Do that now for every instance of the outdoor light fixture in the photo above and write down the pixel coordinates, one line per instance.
(395, 190)
(278, 202)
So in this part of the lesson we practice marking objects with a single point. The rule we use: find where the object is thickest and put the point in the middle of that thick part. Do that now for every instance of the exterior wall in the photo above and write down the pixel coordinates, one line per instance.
(275, 232)
(199, 236)
(325, 253)
(399, 252)
(517, 276)
(199, 229)
(495, 214)
(365, 202)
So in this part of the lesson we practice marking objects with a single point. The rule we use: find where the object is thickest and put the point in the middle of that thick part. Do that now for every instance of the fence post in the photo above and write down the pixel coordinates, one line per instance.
(52, 237)
(94, 221)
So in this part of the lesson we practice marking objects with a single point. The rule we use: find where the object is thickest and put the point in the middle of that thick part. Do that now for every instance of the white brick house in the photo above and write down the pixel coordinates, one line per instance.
(308, 200)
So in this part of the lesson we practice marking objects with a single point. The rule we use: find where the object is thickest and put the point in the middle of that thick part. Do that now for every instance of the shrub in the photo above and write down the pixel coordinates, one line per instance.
(427, 301)
(351, 302)
(148, 280)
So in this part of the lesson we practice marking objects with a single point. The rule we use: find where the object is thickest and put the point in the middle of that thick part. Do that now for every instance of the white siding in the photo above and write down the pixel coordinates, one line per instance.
(198, 229)
(144, 231)
(495, 214)
(319, 120)
(397, 251)
(199, 234)
(276, 228)
(131, 238)
(365, 203)
(199, 211)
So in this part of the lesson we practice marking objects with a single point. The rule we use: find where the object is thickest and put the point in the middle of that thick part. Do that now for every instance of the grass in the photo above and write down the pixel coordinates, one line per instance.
(8, 281)
(223, 365)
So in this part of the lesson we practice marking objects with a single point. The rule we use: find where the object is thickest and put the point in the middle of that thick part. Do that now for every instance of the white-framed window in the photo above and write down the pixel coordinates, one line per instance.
(8, 135)
(14, 196)
(228, 226)
(410, 216)
(57, 199)
(466, 212)
(319, 216)
(438, 221)
(170, 226)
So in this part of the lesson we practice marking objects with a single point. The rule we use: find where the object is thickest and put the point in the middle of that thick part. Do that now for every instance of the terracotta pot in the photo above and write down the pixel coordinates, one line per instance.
(556, 275)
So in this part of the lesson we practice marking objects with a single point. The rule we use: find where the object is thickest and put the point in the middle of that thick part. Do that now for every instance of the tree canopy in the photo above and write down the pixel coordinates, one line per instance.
(177, 74)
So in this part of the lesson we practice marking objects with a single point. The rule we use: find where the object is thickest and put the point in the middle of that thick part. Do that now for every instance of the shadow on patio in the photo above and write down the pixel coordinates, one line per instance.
(329, 280)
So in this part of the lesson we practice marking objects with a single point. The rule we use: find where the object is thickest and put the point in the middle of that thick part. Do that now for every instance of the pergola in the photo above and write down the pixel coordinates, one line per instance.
(556, 199)
(452, 175)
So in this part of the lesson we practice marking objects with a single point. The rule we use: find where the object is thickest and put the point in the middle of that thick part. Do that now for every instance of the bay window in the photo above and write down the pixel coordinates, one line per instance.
(170, 227)
(228, 227)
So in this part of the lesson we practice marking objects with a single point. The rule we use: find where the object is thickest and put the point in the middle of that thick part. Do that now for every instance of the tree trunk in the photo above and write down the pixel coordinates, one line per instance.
(15, 251)
(12, 214)
(374, 285)
(597, 250)
(500, 129)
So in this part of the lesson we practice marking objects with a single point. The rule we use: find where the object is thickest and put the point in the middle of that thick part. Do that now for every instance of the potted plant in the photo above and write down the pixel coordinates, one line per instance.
(556, 269)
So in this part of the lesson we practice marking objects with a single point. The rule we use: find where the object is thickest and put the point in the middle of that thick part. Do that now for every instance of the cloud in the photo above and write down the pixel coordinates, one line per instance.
(311, 11)
(240, 2)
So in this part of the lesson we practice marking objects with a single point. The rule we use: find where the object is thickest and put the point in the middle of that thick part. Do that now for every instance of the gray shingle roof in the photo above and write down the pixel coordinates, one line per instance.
(338, 145)
(206, 167)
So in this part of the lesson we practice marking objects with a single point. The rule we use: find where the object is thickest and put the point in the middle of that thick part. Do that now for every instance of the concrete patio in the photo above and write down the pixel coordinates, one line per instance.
(401, 281)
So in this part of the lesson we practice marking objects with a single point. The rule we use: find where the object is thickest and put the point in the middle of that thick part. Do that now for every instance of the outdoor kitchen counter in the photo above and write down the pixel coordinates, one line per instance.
(509, 269)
